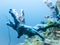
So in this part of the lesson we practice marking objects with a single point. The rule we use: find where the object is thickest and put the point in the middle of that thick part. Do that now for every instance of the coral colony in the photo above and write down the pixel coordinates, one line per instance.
(41, 34)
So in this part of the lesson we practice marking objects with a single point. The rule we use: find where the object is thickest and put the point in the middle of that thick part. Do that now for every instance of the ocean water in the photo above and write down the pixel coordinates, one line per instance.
(34, 10)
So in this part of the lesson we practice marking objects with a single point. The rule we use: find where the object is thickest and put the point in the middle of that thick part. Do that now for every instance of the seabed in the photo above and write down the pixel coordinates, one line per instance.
(51, 39)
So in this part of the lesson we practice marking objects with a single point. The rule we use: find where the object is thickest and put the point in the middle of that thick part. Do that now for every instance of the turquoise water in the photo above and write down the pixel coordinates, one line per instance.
(35, 10)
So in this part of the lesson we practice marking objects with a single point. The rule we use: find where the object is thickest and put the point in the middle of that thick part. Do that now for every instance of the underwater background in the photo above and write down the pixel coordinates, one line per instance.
(34, 10)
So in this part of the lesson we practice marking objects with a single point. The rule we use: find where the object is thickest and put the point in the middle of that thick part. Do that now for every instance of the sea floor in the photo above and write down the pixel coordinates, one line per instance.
(52, 39)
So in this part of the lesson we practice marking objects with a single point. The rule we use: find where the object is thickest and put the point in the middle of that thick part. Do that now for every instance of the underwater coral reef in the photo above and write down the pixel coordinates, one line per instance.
(42, 34)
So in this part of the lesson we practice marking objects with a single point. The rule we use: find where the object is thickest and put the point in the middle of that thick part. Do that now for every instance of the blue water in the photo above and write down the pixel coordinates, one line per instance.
(35, 10)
